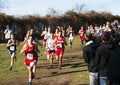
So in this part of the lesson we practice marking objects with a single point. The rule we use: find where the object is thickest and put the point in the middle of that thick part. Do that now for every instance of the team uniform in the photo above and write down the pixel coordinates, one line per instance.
(12, 48)
(81, 34)
(47, 36)
(50, 48)
(55, 36)
(59, 46)
(31, 56)
(71, 36)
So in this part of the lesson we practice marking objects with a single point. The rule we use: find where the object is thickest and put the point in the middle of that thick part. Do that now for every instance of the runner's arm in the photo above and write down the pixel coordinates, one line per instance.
(23, 49)
(9, 44)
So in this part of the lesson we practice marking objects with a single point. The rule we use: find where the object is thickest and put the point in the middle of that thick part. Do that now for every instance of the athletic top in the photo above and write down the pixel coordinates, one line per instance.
(71, 34)
(81, 32)
(30, 52)
(50, 44)
(47, 36)
(13, 46)
(55, 36)
(60, 43)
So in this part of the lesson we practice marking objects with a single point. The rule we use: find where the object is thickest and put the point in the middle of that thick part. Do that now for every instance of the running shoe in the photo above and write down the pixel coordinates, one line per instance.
(10, 68)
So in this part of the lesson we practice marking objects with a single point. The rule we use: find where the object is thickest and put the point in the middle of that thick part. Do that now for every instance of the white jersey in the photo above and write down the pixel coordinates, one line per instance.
(7, 33)
(47, 36)
(71, 36)
(50, 44)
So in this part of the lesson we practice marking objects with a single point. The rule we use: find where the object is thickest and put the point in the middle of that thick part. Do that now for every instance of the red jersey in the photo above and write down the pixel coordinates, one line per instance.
(60, 43)
(55, 36)
(81, 32)
(30, 54)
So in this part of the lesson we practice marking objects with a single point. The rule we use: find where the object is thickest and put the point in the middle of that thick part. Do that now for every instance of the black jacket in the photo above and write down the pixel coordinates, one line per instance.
(89, 53)
(102, 58)
(114, 65)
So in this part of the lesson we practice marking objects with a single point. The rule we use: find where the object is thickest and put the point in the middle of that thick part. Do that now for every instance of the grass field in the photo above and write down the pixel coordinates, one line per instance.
(74, 70)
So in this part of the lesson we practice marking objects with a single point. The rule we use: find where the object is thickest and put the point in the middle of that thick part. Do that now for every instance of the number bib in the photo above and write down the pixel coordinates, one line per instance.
(12, 48)
(59, 45)
(30, 56)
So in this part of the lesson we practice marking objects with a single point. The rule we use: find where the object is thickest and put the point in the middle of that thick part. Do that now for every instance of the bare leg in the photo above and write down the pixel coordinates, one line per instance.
(34, 71)
(60, 61)
(51, 60)
(30, 75)
(71, 43)
(57, 57)
(12, 60)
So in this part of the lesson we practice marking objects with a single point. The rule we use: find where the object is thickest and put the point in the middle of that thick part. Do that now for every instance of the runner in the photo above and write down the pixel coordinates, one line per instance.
(81, 33)
(47, 36)
(30, 52)
(50, 49)
(59, 45)
(12, 43)
(36, 44)
(71, 34)
(43, 36)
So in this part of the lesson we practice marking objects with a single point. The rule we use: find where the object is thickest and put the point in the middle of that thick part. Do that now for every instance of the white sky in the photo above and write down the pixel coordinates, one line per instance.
(33, 7)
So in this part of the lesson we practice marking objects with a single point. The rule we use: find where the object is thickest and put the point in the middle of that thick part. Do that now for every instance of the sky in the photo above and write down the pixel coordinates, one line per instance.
(41, 7)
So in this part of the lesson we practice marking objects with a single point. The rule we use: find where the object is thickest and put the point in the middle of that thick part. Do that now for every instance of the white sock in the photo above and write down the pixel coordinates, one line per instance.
(30, 80)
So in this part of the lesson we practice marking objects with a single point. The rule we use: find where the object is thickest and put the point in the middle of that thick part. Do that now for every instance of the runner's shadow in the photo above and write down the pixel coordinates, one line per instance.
(72, 72)
(63, 73)
(78, 65)
(74, 65)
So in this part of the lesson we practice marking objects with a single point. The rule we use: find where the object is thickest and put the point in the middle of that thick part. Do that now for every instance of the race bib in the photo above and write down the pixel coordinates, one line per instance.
(30, 56)
(12, 48)
(48, 37)
(59, 45)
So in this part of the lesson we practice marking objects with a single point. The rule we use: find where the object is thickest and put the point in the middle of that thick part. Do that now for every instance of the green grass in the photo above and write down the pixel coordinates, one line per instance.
(74, 70)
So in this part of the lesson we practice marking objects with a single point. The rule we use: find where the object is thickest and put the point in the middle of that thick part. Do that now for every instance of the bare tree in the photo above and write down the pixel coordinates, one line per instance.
(52, 12)
(79, 8)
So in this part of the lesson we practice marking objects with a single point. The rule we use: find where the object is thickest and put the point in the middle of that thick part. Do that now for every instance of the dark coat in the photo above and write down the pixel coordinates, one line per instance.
(114, 65)
(88, 54)
(102, 58)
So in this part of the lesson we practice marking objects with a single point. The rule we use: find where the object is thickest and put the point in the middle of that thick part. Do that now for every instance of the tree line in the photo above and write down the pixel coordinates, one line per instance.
(21, 24)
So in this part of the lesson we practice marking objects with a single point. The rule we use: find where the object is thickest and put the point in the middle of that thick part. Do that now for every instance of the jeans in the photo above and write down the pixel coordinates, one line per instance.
(103, 80)
(94, 79)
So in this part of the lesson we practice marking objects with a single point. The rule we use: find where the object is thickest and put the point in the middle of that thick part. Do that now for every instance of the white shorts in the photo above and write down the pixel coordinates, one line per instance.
(32, 64)
(70, 38)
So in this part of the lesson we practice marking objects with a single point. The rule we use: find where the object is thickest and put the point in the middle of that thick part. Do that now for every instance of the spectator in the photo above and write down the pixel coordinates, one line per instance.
(102, 57)
(114, 62)
(7, 33)
(89, 51)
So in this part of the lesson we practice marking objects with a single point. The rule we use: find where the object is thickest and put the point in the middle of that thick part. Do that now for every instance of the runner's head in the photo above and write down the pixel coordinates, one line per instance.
(30, 39)
(60, 34)
(12, 36)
